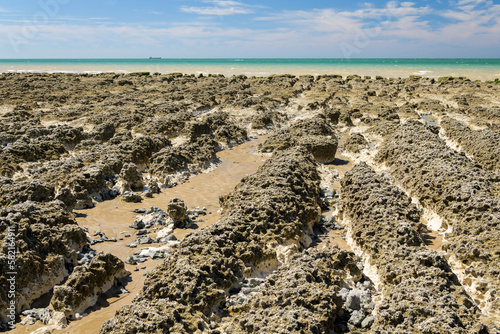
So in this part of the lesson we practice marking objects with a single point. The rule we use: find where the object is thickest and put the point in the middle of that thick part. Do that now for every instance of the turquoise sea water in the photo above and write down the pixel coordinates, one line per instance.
(484, 69)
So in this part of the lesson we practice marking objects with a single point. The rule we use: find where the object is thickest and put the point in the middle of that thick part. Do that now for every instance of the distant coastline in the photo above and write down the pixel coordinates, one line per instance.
(472, 68)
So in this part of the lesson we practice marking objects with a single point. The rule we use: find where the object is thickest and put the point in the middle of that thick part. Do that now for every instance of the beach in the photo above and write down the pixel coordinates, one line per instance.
(292, 196)
(472, 68)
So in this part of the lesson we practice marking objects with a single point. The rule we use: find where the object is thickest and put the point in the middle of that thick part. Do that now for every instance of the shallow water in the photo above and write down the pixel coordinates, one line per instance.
(475, 69)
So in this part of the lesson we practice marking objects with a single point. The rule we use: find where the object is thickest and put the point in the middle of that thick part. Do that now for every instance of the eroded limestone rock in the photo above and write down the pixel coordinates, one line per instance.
(275, 206)
(86, 283)
(482, 145)
(465, 197)
(47, 239)
(314, 134)
(420, 292)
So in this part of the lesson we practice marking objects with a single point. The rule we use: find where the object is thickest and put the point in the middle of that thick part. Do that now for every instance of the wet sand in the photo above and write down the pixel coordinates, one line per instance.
(203, 190)
(341, 164)
(261, 67)
(363, 103)
(114, 217)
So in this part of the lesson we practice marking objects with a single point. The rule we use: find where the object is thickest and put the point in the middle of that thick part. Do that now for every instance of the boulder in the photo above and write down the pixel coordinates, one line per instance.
(177, 210)
(86, 283)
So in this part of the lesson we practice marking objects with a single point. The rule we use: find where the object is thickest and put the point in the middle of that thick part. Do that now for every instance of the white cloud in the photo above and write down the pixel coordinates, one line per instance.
(220, 8)
(324, 20)
(216, 10)
(223, 3)
(390, 30)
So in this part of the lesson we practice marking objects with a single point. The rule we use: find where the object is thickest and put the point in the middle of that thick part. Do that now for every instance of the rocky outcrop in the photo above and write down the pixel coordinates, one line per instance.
(302, 296)
(420, 292)
(132, 178)
(487, 114)
(131, 197)
(275, 207)
(220, 126)
(267, 119)
(482, 145)
(170, 125)
(465, 197)
(315, 134)
(17, 192)
(191, 158)
(47, 239)
(333, 115)
(74, 138)
(355, 143)
(177, 211)
(86, 283)
(27, 149)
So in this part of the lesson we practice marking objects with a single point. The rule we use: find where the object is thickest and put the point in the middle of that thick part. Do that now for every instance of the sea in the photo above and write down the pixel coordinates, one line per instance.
(472, 68)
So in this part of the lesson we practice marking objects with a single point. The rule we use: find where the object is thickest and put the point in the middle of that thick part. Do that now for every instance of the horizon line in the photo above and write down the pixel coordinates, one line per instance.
(228, 58)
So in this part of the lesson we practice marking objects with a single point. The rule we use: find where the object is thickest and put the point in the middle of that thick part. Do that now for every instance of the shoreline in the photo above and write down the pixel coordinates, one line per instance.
(474, 69)
(344, 76)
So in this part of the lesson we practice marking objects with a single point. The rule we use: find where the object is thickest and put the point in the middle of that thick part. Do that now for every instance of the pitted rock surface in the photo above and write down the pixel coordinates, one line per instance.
(302, 296)
(275, 206)
(464, 195)
(316, 134)
(86, 283)
(420, 292)
(482, 145)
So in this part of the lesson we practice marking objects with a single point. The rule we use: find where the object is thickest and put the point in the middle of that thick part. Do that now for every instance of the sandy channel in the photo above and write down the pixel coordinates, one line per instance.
(114, 217)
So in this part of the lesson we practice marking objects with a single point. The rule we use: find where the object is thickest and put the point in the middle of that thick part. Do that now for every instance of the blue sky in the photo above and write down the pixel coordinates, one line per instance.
(248, 28)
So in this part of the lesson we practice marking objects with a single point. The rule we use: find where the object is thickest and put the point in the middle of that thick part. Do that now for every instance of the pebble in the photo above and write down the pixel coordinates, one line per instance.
(165, 232)
(42, 314)
(330, 223)
(102, 238)
(138, 225)
(144, 240)
(84, 258)
(131, 197)
(142, 232)
(368, 322)
(113, 192)
(357, 318)
(353, 300)
(139, 259)
(29, 320)
(167, 239)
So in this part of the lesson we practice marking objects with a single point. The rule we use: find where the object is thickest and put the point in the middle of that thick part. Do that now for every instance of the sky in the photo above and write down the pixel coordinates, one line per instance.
(249, 29)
